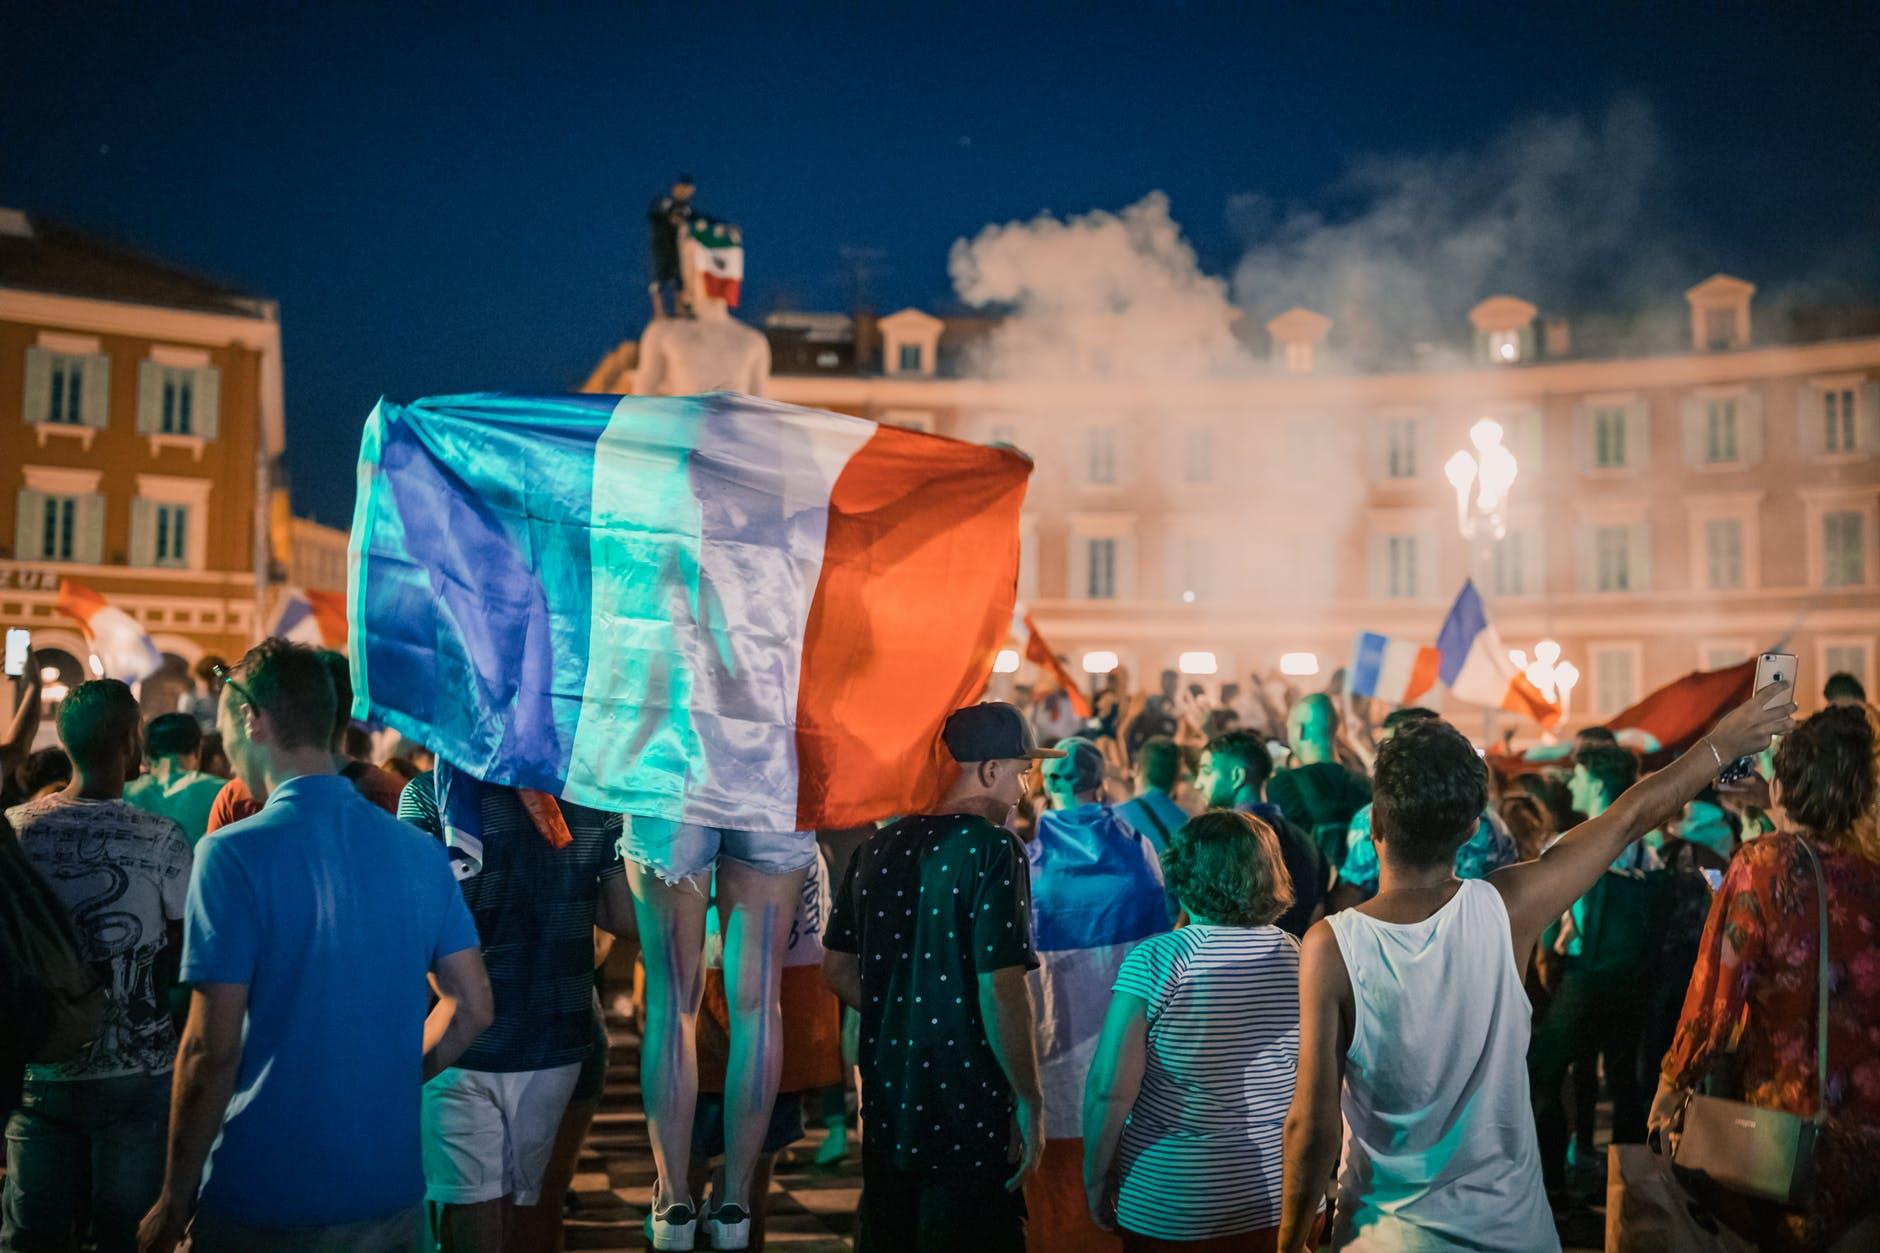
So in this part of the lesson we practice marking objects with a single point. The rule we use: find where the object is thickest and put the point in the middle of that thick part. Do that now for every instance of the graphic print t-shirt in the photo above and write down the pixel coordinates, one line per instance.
(929, 905)
(123, 876)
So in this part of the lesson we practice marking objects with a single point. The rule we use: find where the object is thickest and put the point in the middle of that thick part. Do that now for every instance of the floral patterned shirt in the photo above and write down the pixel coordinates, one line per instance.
(1757, 964)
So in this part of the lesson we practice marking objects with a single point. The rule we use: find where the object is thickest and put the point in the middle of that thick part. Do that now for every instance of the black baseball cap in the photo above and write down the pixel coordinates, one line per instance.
(993, 731)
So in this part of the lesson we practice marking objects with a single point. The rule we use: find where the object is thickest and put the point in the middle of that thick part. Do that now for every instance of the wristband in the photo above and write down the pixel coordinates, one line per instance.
(1713, 752)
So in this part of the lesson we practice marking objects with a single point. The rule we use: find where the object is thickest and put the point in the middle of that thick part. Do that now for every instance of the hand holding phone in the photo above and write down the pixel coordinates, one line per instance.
(1771, 669)
(19, 651)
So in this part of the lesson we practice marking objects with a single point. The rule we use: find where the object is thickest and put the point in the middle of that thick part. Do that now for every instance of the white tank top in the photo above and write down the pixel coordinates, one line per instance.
(1440, 1151)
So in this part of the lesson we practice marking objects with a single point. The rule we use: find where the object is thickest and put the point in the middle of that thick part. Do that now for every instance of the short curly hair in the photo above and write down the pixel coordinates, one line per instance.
(1226, 867)
(1826, 769)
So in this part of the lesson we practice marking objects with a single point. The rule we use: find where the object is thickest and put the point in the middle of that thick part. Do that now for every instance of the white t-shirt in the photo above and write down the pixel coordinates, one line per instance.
(1201, 1153)
(122, 875)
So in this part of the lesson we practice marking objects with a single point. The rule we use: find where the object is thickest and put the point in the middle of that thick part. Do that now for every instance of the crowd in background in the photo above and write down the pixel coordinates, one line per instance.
(1090, 1024)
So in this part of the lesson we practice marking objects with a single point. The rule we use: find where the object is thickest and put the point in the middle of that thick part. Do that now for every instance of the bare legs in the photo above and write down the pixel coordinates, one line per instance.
(756, 910)
(671, 920)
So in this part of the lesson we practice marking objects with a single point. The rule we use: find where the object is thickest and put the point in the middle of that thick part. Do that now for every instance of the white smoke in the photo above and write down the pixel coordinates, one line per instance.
(1568, 214)
(1097, 296)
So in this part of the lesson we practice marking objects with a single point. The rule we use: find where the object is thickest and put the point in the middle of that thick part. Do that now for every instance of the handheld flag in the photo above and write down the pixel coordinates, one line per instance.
(1040, 653)
(709, 609)
(1393, 670)
(1477, 669)
(719, 258)
(310, 617)
(1676, 715)
(118, 644)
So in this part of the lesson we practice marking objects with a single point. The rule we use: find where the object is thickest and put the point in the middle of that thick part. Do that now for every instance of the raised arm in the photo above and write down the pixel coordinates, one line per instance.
(1537, 892)
(207, 1062)
(1314, 1123)
(1005, 1006)
(1109, 1094)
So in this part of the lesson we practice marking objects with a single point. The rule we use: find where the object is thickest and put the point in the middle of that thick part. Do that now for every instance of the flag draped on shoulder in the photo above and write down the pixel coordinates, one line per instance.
(122, 648)
(1393, 670)
(1477, 669)
(708, 609)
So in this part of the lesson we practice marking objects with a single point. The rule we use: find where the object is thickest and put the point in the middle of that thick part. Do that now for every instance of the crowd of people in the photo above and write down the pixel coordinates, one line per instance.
(1212, 972)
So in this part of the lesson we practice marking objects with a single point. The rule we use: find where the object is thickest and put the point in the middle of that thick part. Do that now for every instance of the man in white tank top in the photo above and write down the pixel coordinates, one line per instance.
(1413, 1021)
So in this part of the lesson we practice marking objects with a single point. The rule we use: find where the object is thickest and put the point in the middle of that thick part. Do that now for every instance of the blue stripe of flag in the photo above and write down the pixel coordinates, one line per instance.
(1466, 620)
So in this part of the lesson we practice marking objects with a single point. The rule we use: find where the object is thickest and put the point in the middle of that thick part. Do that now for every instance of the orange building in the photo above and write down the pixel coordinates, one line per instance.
(140, 409)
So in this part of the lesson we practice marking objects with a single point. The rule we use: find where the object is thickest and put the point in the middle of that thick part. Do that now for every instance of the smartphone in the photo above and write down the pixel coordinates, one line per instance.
(1771, 668)
(1714, 878)
(19, 651)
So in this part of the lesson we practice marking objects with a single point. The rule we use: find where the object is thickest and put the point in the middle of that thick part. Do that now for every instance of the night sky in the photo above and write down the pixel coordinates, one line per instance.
(444, 198)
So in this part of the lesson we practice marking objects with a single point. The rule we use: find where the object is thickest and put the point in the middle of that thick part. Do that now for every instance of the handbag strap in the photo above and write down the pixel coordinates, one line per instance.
(1821, 995)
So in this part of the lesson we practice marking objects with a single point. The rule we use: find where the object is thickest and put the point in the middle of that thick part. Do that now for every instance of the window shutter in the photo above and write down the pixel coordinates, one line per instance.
(1749, 427)
(1868, 426)
(1586, 558)
(1696, 431)
(88, 547)
(37, 402)
(1639, 556)
(1426, 580)
(29, 531)
(97, 391)
(1377, 562)
(208, 401)
(1638, 436)
(1583, 438)
(149, 397)
(143, 532)
(1079, 569)
(1527, 342)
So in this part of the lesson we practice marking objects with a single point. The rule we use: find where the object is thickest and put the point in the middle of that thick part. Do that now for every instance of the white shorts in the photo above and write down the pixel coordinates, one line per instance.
(488, 1134)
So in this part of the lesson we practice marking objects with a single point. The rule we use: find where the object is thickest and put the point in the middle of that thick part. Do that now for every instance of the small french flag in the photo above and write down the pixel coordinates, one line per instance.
(1477, 668)
(120, 649)
(308, 617)
(1393, 670)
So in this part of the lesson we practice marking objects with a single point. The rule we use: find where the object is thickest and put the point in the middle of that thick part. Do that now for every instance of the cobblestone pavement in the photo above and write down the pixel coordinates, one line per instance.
(812, 1209)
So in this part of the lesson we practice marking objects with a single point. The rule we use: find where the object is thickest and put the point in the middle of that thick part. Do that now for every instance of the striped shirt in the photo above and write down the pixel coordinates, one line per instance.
(1200, 1155)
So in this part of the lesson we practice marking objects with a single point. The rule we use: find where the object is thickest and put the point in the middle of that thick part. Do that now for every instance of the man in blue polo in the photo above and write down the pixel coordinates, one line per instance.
(309, 932)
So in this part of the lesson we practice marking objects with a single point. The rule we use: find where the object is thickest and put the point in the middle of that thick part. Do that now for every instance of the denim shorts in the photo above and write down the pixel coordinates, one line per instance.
(681, 850)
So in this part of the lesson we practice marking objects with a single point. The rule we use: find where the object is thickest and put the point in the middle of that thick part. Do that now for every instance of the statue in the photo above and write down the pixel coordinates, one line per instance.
(711, 351)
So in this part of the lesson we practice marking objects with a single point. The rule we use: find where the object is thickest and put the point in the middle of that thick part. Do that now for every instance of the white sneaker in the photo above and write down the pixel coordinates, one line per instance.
(673, 1228)
(729, 1226)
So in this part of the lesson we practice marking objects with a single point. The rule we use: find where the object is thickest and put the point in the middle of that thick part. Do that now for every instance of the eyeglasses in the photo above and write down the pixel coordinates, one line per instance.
(224, 677)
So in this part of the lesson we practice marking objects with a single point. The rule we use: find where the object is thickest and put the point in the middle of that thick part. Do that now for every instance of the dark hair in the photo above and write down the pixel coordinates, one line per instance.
(291, 684)
(206, 668)
(212, 754)
(96, 717)
(1226, 867)
(1843, 684)
(339, 670)
(405, 768)
(1594, 735)
(1409, 713)
(1528, 821)
(1161, 762)
(46, 768)
(1615, 768)
(172, 735)
(1548, 789)
(1247, 749)
(1826, 769)
(1428, 792)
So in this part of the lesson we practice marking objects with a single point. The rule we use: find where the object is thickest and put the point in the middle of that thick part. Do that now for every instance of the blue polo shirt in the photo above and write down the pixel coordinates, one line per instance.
(331, 911)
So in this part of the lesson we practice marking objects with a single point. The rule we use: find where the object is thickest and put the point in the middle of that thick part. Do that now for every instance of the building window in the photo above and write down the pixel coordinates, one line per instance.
(1198, 455)
(1845, 659)
(1720, 434)
(1508, 566)
(1838, 421)
(827, 359)
(1721, 656)
(1298, 357)
(67, 391)
(1612, 559)
(1844, 549)
(178, 405)
(1609, 437)
(1723, 553)
(1400, 565)
(1101, 463)
(59, 534)
(1720, 327)
(1191, 568)
(1615, 680)
(1100, 577)
(178, 400)
(172, 523)
(909, 359)
(1401, 448)
(1504, 346)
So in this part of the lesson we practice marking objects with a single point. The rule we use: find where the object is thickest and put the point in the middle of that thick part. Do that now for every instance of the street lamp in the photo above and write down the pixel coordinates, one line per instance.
(1554, 678)
(1482, 480)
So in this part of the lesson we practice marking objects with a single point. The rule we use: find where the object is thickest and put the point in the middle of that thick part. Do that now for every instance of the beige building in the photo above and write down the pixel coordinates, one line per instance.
(1678, 506)
(139, 409)
(318, 560)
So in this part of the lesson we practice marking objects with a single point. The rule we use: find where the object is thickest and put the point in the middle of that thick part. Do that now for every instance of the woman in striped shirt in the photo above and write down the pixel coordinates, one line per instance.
(1185, 1106)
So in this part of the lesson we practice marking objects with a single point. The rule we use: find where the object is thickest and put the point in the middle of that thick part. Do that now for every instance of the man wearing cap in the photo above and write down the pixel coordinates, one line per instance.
(1096, 890)
(930, 941)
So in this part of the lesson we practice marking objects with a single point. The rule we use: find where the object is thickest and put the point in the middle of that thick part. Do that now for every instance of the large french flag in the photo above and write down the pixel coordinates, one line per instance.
(1476, 667)
(1393, 670)
(709, 609)
(120, 648)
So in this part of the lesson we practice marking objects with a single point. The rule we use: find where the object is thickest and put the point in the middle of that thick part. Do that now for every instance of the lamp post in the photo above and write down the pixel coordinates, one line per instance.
(1553, 677)
(1482, 480)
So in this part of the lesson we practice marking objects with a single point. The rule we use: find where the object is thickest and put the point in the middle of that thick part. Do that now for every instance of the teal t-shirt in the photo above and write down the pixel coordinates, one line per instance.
(331, 912)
